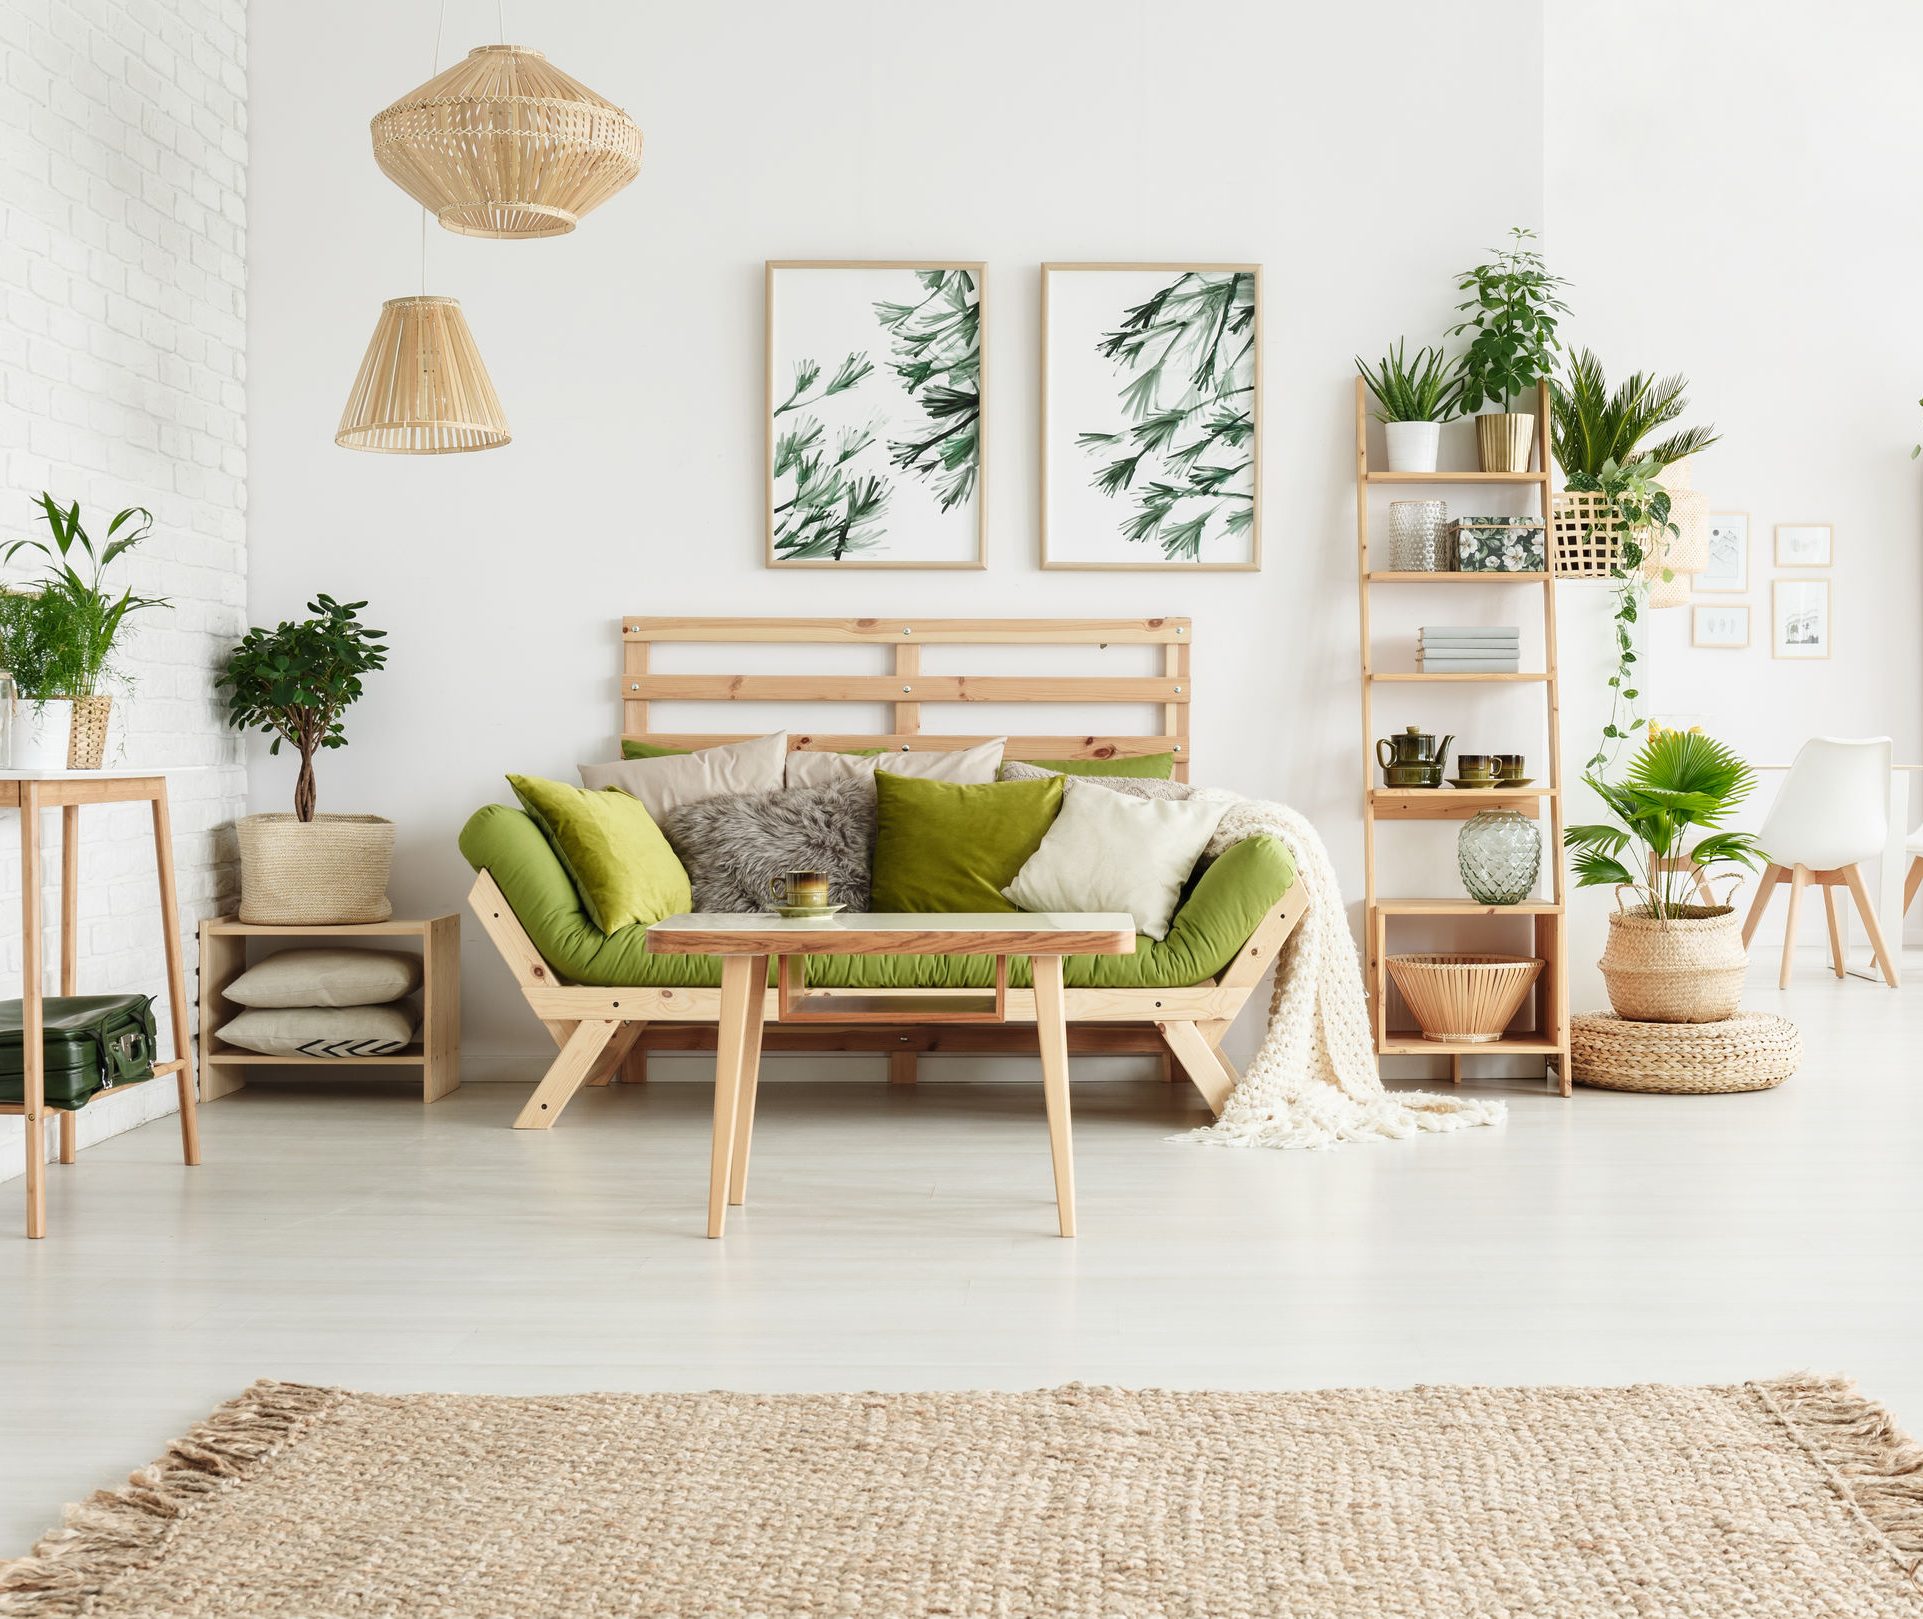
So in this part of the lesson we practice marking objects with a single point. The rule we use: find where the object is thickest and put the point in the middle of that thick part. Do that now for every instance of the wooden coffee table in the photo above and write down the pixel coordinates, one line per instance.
(746, 942)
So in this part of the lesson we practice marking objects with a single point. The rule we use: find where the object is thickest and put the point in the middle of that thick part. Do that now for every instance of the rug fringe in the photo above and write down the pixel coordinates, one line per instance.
(114, 1532)
(1876, 1467)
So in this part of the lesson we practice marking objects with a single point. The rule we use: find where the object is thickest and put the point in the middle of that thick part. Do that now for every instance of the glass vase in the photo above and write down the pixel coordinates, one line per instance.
(1416, 535)
(1499, 853)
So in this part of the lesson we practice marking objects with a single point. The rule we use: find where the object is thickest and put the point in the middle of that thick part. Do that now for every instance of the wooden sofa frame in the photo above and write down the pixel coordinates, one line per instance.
(602, 1032)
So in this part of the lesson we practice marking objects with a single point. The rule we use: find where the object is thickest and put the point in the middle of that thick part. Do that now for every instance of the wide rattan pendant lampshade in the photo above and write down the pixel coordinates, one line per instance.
(422, 389)
(505, 144)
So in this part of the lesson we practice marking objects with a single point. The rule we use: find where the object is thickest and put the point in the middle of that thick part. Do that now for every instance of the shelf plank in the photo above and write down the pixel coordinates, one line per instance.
(1453, 803)
(1465, 907)
(1515, 478)
(1410, 1043)
(410, 1058)
(1392, 576)
(397, 928)
(1512, 679)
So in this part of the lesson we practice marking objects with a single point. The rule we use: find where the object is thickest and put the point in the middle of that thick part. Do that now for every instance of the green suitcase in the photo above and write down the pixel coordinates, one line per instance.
(92, 1042)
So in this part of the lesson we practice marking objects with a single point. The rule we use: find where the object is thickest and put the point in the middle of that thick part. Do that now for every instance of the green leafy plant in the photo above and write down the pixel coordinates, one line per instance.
(936, 353)
(1425, 390)
(1594, 423)
(73, 602)
(1512, 308)
(1678, 784)
(39, 636)
(295, 681)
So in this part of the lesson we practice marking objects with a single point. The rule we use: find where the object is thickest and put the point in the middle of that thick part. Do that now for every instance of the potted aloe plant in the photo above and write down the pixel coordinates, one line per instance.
(1511, 311)
(293, 683)
(1417, 397)
(59, 634)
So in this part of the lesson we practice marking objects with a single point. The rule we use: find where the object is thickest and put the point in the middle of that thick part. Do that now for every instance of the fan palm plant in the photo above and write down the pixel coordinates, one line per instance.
(1595, 424)
(1679, 783)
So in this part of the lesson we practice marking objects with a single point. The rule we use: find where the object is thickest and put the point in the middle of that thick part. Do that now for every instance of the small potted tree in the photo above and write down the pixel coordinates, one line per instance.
(293, 683)
(1511, 308)
(1416, 397)
(59, 635)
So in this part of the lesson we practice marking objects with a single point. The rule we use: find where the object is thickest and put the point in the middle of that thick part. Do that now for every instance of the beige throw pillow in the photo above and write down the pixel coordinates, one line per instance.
(322, 1032)
(329, 977)
(674, 779)
(969, 766)
(1110, 852)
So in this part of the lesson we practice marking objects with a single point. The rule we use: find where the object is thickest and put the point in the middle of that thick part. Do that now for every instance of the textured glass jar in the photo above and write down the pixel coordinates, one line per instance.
(1416, 535)
(1499, 853)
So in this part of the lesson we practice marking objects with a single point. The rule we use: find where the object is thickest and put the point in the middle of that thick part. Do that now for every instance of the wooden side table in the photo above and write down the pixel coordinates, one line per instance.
(31, 791)
(437, 1054)
(746, 942)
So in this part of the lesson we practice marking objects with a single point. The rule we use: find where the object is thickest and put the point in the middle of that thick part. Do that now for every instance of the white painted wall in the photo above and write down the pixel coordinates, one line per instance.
(629, 354)
(123, 151)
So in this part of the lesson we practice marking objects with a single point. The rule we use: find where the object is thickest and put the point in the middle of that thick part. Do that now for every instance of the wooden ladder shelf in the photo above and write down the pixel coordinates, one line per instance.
(1547, 1033)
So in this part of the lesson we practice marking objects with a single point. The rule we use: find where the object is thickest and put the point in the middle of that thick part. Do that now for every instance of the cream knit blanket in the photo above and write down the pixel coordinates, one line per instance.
(1314, 1082)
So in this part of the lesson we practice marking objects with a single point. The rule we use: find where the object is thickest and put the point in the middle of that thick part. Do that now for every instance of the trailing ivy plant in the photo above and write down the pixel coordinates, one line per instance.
(936, 353)
(1512, 308)
(1422, 390)
(1594, 423)
(295, 681)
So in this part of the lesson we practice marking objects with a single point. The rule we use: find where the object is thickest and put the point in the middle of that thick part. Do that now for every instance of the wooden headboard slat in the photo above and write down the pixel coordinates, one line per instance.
(929, 631)
(894, 688)
(1019, 747)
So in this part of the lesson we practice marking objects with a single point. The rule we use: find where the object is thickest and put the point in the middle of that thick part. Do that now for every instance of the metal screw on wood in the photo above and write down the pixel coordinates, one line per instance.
(907, 688)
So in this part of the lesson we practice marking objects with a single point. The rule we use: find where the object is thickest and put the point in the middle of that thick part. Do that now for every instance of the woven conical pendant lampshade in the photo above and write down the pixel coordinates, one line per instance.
(422, 389)
(505, 144)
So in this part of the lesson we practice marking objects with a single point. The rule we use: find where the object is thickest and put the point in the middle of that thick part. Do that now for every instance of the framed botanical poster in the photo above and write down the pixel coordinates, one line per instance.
(1800, 618)
(1151, 416)
(1728, 570)
(1804, 545)
(1719, 625)
(874, 414)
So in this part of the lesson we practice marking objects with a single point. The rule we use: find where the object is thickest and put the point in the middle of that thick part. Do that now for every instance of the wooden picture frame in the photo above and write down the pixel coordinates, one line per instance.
(1783, 612)
(1705, 632)
(1729, 556)
(1794, 540)
(1099, 543)
(913, 497)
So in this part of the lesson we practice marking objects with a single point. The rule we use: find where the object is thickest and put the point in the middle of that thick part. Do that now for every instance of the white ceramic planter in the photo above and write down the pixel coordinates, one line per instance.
(1413, 446)
(41, 733)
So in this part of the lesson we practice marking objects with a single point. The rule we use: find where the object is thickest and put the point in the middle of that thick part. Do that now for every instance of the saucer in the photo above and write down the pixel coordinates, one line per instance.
(806, 913)
(1468, 785)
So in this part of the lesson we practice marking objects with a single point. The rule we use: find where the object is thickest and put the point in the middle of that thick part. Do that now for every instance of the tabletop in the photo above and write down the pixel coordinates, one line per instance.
(926, 933)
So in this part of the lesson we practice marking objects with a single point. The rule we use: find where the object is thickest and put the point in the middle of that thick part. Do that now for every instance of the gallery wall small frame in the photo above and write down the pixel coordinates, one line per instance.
(1728, 570)
(1805, 545)
(876, 441)
(1799, 619)
(1134, 472)
(1721, 626)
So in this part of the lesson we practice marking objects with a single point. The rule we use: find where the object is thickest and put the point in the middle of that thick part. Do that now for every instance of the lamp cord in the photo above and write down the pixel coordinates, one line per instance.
(440, 30)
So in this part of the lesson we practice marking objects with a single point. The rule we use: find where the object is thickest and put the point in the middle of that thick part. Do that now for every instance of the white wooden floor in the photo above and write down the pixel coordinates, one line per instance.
(903, 1239)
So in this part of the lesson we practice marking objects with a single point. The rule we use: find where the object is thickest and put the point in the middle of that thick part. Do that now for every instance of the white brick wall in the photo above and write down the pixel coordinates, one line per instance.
(123, 184)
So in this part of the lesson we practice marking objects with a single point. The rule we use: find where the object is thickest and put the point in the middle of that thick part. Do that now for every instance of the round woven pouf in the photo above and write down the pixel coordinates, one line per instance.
(1752, 1051)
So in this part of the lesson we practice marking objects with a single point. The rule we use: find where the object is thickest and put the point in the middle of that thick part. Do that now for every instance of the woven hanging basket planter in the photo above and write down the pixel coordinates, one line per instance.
(506, 145)
(1464, 998)
(1583, 539)
(1752, 1051)
(422, 389)
(87, 735)
(319, 873)
(1687, 969)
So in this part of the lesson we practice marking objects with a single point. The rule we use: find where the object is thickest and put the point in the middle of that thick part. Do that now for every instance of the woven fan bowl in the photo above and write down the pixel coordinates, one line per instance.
(422, 389)
(506, 145)
(1464, 998)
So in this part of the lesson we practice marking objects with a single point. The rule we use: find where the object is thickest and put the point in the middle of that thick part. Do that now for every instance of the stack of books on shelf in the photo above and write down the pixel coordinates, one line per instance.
(1472, 649)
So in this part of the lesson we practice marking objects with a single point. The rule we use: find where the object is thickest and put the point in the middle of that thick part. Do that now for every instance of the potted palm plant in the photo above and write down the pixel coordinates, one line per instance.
(1668, 959)
(293, 683)
(59, 635)
(1511, 310)
(1416, 397)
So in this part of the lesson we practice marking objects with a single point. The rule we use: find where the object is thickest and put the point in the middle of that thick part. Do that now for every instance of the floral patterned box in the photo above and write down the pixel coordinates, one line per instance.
(1499, 545)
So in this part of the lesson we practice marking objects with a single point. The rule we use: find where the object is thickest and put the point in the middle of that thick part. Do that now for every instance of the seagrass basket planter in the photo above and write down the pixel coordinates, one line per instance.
(1464, 998)
(87, 732)
(320, 873)
(1752, 1051)
(1685, 968)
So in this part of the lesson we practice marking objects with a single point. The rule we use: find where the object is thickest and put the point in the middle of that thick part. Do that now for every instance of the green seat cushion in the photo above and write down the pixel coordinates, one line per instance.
(944, 846)
(622, 866)
(1226, 900)
(1147, 766)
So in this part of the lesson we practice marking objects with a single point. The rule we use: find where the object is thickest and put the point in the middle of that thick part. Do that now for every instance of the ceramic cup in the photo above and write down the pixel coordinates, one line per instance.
(799, 888)
(1476, 766)
(1511, 766)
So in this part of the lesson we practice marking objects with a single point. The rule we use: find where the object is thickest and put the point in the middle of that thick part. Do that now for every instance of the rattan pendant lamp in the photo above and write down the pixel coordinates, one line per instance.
(422, 389)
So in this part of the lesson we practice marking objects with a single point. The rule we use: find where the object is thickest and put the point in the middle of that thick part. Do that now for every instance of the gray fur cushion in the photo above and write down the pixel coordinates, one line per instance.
(1133, 786)
(732, 846)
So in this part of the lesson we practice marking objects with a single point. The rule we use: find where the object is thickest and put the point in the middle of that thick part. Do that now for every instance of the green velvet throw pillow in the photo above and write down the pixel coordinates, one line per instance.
(1146, 766)
(943, 846)
(623, 868)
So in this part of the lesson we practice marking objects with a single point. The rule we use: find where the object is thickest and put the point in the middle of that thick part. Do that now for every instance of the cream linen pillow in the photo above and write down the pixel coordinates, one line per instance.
(328, 977)
(1110, 852)
(321, 1032)
(969, 766)
(675, 779)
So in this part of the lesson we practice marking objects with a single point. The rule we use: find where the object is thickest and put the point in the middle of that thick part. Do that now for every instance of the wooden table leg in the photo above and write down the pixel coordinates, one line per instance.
(1051, 1028)
(176, 977)
(69, 943)
(750, 1082)
(731, 1046)
(33, 1057)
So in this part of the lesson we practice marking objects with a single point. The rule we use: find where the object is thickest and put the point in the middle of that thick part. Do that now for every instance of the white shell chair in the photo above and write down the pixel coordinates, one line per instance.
(1832, 814)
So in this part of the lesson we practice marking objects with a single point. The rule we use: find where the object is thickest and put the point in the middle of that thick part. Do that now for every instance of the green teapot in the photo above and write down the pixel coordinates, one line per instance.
(1410, 750)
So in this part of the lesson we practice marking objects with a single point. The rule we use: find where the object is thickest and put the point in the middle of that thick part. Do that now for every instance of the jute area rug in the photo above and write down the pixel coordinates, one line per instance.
(1783, 1500)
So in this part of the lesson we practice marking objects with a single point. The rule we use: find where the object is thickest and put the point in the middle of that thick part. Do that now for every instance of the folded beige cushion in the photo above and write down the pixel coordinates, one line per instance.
(322, 1032)
(328, 977)
(666, 783)
(970, 766)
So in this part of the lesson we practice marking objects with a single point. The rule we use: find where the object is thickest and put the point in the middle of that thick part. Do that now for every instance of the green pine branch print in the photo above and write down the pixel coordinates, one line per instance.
(936, 352)
(1186, 359)
(833, 510)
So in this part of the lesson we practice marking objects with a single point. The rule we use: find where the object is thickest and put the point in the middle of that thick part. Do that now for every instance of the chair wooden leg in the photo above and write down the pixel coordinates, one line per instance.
(1051, 1029)
(1853, 875)
(566, 1074)
(1912, 881)
(1703, 891)
(1765, 886)
(614, 1053)
(1799, 880)
(1836, 933)
(1203, 1064)
(749, 1086)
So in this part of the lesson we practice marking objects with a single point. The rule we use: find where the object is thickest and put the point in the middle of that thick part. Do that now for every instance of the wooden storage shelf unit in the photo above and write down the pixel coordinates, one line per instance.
(224, 956)
(1547, 1009)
